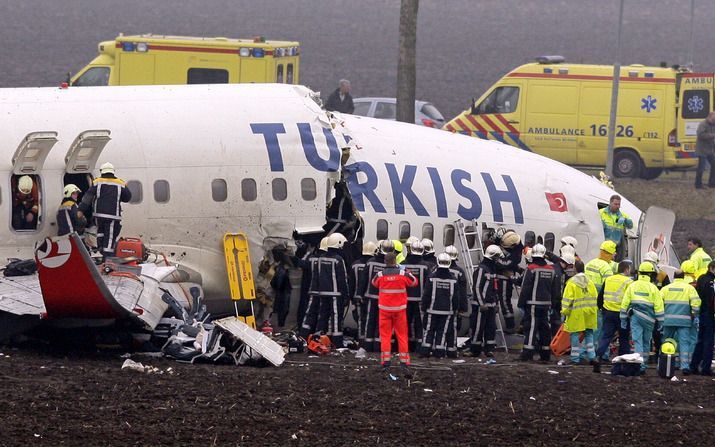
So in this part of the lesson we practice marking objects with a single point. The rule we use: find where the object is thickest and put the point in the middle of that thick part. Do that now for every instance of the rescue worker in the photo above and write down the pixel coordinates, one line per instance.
(420, 269)
(539, 289)
(462, 300)
(570, 241)
(703, 354)
(610, 299)
(305, 262)
(507, 268)
(439, 303)
(661, 278)
(682, 314)
(392, 284)
(356, 272)
(373, 266)
(615, 222)
(105, 197)
(564, 270)
(399, 250)
(332, 290)
(579, 308)
(644, 304)
(25, 204)
(485, 289)
(312, 309)
(69, 218)
(429, 256)
(599, 269)
(698, 256)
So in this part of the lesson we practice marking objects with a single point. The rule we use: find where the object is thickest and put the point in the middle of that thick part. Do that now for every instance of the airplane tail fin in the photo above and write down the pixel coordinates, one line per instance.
(71, 284)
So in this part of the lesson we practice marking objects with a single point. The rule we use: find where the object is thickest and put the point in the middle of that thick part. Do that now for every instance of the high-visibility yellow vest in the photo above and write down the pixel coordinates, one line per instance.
(614, 287)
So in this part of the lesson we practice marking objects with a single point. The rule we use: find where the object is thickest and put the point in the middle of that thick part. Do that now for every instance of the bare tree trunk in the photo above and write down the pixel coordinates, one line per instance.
(406, 71)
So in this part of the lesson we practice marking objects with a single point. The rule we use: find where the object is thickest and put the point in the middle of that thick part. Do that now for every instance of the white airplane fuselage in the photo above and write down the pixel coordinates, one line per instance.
(198, 137)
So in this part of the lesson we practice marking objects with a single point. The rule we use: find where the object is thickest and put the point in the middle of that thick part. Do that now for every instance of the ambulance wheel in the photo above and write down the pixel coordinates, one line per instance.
(627, 163)
(651, 173)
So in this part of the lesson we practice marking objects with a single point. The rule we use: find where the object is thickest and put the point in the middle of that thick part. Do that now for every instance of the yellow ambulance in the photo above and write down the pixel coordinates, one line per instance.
(562, 111)
(148, 59)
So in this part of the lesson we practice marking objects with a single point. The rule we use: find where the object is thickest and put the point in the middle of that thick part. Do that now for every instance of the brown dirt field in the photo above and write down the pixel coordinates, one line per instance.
(87, 400)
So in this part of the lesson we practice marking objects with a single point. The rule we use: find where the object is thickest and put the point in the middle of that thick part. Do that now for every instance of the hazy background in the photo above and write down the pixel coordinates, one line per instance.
(463, 45)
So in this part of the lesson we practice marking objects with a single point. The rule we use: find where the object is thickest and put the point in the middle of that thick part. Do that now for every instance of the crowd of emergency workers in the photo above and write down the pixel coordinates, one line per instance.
(607, 306)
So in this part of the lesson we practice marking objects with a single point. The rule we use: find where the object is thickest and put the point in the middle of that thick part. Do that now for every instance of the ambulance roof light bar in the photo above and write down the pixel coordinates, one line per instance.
(550, 59)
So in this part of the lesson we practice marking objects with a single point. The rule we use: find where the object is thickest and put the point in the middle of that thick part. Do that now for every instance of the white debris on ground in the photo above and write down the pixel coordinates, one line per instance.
(131, 365)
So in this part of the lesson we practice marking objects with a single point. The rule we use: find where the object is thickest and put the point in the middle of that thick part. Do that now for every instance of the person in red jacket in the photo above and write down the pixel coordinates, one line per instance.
(392, 283)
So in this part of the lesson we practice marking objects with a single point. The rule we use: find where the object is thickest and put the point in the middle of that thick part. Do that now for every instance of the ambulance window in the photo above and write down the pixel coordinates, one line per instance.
(279, 189)
(135, 187)
(207, 76)
(219, 190)
(162, 193)
(404, 230)
(279, 73)
(381, 229)
(448, 235)
(26, 200)
(95, 76)
(289, 74)
(249, 192)
(529, 239)
(428, 231)
(501, 100)
(696, 104)
(385, 110)
(549, 240)
(307, 189)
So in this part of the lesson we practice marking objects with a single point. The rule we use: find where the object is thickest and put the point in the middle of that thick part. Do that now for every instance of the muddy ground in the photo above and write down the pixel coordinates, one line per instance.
(86, 399)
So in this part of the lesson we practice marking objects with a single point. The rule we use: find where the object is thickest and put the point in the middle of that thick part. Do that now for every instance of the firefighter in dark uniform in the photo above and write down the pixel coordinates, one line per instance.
(414, 264)
(69, 218)
(428, 255)
(439, 304)
(539, 289)
(483, 321)
(309, 321)
(332, 290)
(370, 293)
(356, 272)
(507, 267)
(105, 197)
(462, 300)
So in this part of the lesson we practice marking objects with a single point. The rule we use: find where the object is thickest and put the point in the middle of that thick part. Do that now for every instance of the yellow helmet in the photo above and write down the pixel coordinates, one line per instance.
(24, 184)
(688, 267)
(646, 267)
(609, 247)
(398, 245)
(669, 346)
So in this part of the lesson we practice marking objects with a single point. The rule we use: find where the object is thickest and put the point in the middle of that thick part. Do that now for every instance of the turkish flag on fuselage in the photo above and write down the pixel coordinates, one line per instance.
(557, 202)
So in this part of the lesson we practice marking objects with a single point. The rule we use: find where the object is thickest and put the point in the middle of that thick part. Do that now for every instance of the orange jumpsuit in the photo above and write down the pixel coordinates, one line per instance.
(392, 302)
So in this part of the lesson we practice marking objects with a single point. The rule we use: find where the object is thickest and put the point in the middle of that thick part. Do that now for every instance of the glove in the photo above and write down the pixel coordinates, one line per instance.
(624, 324)
(696, 323)
(620, 220)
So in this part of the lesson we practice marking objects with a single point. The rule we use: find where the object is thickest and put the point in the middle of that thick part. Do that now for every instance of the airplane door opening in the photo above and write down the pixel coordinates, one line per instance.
(82, 180)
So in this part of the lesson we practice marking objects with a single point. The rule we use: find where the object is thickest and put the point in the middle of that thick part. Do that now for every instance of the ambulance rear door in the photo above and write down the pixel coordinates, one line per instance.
(695, 101)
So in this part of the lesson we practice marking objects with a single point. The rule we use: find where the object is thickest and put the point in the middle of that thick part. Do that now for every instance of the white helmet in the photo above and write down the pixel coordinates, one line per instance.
(106, 168)
(451, 250)
(70, 189)
(538, 251)
(336, 240)
(444, 260)
(569, 240)
(416, 247)
(568, 258)
(493, 251)
(324, 244)
(510, 239)
(369, 248)
(567, 249)
(24, 184)
(387, 246)
(428, 245)
(651, 256)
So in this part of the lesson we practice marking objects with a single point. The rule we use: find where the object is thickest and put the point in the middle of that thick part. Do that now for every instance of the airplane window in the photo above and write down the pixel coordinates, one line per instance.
(279, 189)
(308, 189)
(207, 76)
(279, 74)
(95, 76)
(448, 235)
(381, 229)
(219, 190)
(428, 231)
(501, 100)
(539, 240)
(162, 193)
(404, 230)
(471, 238)
(289, 74)
(135, 186)
(529, 239)
(249, 192)
(549, 240)
(26, 201)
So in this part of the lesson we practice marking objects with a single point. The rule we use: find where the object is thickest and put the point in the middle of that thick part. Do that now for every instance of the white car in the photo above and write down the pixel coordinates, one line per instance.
(426, 114)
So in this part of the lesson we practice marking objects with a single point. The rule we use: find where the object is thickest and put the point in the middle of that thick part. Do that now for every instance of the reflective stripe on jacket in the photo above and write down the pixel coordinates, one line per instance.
(612, 230)
(579, 304)
(392, 284)
(681, 302)
(644, 299)
(614, 287)
(597, 271)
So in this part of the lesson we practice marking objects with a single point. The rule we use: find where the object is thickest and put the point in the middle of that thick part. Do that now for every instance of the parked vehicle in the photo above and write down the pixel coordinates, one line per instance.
(426, 114)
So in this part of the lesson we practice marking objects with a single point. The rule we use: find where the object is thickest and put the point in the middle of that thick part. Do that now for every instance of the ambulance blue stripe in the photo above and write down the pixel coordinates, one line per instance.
(518, 141)
(498, 136)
